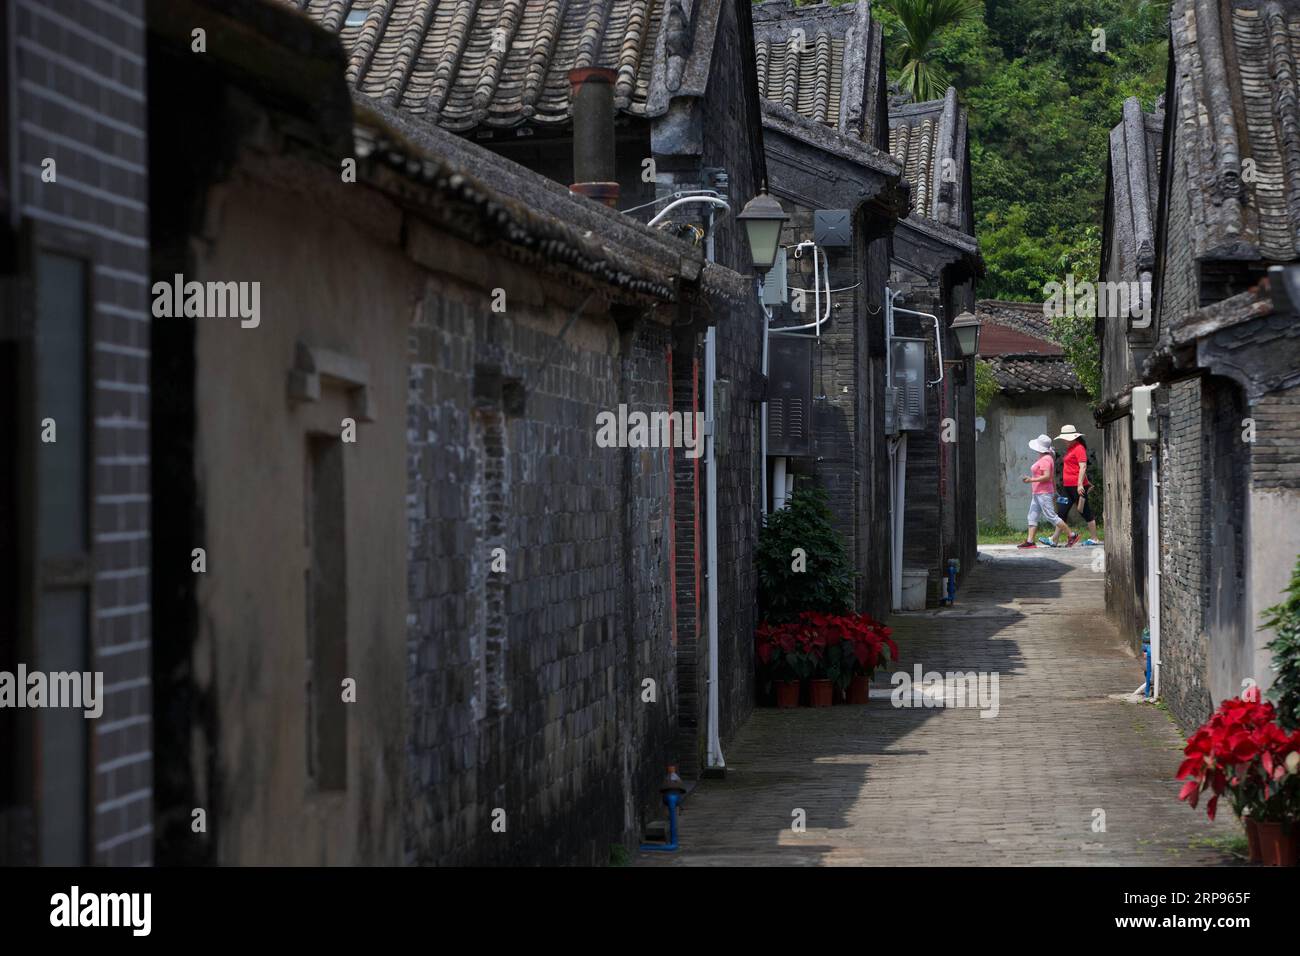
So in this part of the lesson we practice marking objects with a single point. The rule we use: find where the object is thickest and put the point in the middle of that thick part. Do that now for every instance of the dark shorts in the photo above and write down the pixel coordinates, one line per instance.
(1084, 508)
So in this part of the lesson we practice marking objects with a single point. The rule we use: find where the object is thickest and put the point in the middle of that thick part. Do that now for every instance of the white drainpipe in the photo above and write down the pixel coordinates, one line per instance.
(900, 509)
(767, 324)
(778, 484)
(897, 472)
(1153, 573)
(711, 531)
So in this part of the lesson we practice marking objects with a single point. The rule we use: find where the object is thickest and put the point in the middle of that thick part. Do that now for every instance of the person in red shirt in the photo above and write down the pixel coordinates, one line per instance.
(1074, 476)
(1042, 500)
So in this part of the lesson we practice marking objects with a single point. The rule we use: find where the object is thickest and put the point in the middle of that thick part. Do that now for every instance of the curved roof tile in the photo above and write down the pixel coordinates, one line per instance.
(1237, 102)
(500, 63)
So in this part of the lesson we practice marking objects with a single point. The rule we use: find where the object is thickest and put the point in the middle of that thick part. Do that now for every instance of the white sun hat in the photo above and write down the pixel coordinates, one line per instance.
(1041, 444)
(1069, 433)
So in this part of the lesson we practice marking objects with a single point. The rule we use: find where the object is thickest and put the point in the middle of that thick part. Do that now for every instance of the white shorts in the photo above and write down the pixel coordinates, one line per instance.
(1043, 506)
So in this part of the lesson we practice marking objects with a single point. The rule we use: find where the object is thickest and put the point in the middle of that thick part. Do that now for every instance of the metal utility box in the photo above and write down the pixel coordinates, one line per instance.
(775, 288)
(907, 386)
(1144, 413)
(832, 228)
(789, 396)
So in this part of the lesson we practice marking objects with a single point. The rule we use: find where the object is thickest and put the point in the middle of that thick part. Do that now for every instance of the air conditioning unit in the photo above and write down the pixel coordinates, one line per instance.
(775, 289)
(1143, 413)
(789, 397)
(907, 357)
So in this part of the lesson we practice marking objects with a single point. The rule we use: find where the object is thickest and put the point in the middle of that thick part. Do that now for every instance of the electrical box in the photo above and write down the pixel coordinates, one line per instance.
(776, 290)
(832, 228)
(789, 396)
(907, 385)
(1143, 413)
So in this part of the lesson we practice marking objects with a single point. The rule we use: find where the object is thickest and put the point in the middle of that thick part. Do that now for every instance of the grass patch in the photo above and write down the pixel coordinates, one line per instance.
(992, 532)
(1234, 845)
(619, 855)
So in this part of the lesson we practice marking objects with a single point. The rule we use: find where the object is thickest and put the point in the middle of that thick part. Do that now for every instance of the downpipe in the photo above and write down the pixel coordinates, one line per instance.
(673, 791)
(953, 567)
(714, 757)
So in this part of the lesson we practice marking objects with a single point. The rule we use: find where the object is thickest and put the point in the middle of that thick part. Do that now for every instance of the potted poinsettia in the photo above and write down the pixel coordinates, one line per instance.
(873, 647)
(854, 645)
(775, 647)
(789, 654)
(1243, 752)
(835, 664)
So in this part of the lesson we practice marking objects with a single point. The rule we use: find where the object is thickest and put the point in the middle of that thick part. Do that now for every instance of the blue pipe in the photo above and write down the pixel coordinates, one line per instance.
(672, 799)
(952, 582)
(1146, 652)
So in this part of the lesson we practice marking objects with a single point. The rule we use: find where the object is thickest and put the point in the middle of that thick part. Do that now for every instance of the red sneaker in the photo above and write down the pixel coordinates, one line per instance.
(1073, 540)
(1027, 544)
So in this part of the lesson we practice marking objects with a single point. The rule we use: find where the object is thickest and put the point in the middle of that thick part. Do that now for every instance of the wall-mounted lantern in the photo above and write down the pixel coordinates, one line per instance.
(966, 328)
(763, 218)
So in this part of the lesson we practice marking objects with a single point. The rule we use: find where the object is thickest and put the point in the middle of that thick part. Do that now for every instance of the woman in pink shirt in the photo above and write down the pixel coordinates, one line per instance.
(1074, 476)
(1042, 505)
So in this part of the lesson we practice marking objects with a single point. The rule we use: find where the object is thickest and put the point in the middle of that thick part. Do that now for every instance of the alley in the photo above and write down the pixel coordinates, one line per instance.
(924, 786)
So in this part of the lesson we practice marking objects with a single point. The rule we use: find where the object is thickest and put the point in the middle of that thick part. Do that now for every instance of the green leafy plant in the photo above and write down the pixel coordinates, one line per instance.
(986, 386)
(801, 561)
(922, 21)
(1284, 619)
(837, 647)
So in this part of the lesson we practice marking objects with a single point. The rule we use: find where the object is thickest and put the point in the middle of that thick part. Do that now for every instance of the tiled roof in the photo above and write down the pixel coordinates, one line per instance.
(1237, 101)
(1252, 338)
(1134, 188)
(493, 200)
(1018, 374)
(500, 63)
(1024, 317)
(822, 62)
(921, 137)
(777, 118)
(998, 340)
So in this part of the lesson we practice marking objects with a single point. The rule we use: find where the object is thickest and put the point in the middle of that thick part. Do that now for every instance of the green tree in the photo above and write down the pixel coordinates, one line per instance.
(1284, 619)
(986, 386)
(801, 560)
(920, 72)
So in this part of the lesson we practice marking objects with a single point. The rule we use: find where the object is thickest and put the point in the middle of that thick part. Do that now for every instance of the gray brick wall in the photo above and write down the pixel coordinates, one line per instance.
(1184, 648)
(1275, 456)
(729, 142)
(80, 102)
(1179, 290)
(1125, 485)
(575, 755)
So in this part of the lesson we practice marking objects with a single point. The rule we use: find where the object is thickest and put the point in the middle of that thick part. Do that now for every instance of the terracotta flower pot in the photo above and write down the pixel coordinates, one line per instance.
(1275, 847)
(820, 695)
(860, 689)
(1252, 839)
(787, 693)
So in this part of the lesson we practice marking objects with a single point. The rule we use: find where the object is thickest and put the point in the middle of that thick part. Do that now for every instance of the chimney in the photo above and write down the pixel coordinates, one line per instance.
(592, 96)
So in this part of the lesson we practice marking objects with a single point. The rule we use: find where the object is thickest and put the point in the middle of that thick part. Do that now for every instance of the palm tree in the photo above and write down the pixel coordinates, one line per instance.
(922, 21)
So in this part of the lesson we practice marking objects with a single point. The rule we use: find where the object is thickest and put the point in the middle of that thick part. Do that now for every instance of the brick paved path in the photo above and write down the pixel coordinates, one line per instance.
(892, 786)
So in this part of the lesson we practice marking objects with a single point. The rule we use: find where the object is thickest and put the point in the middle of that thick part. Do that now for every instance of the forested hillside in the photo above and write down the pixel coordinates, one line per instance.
(1044, 81)
(1041, 105)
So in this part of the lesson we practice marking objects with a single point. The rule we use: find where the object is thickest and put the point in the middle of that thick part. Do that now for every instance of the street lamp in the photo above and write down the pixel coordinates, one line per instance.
(763, 218)
(967, 330)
